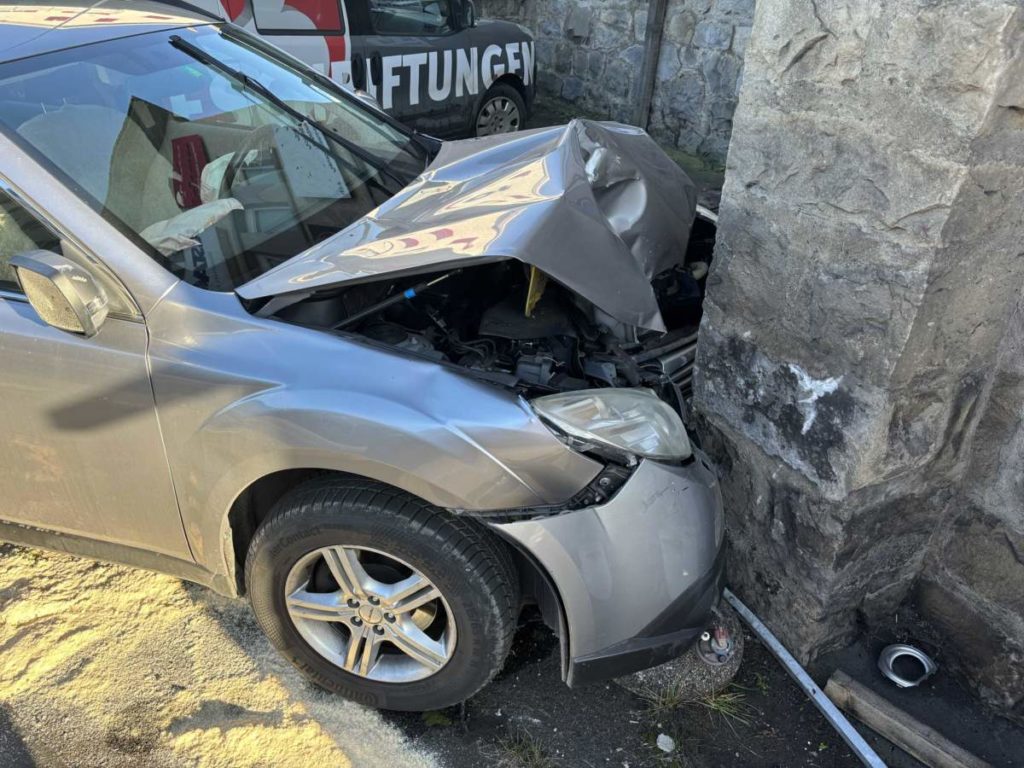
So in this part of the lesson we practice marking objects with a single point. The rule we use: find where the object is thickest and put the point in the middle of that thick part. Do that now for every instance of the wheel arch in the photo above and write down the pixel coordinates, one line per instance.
(254, 502)
(511, 79)
(252, 505)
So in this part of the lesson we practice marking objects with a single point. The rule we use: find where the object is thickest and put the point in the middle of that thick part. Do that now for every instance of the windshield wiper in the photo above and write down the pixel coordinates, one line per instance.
(257, 87)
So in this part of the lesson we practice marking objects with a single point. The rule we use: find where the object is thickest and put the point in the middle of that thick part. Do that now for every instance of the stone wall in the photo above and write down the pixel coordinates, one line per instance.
(972, 587)
(859, 369)
(589, 53)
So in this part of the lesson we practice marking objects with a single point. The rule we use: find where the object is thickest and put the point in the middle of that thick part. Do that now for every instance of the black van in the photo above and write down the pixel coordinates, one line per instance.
(429, 63)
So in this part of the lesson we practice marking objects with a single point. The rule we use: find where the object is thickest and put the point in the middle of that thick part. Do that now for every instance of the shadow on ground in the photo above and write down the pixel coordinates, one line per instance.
(12, 748)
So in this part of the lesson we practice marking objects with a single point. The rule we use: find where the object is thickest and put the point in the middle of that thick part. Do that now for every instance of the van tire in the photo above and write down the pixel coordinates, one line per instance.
(502, 110)
(470, 567)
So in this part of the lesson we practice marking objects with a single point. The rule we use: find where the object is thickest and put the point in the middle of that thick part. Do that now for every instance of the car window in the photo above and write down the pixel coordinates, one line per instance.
(20, 231)
(218, 159)
(276, 16)
(411, 17)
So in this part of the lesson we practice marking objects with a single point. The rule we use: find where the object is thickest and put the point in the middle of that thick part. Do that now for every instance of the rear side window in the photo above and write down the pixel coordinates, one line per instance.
(298, 16)
(411, 17)
(20, 231)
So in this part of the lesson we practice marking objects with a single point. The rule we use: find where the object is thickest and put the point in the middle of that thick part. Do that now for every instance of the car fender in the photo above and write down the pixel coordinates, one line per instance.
(240, 397)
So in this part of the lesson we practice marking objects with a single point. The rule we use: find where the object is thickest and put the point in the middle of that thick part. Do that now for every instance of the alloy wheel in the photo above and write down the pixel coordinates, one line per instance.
(370, 613)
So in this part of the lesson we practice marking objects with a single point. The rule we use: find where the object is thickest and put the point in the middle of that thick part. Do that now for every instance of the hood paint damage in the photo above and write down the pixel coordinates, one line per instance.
(598, 207)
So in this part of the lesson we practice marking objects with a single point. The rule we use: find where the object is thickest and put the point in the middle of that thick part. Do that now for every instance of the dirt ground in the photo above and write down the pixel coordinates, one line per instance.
(109, 666)
(528, 719)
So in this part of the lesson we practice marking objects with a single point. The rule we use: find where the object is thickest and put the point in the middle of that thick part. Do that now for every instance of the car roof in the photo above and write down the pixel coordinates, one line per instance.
(31, 28)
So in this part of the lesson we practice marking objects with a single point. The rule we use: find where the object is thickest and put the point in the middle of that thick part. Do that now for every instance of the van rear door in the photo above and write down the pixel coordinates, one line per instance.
(315, 31)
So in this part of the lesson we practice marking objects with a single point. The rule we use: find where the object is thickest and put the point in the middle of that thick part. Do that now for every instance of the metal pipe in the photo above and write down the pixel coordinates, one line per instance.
(656, 10)
(854, 740)
(408, 293)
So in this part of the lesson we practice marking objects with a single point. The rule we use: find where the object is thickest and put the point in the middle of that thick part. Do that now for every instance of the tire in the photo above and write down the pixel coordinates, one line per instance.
(395, 538)
(509, 113)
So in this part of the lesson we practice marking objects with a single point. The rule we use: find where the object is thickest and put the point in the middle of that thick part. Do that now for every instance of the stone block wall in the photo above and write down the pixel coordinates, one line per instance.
(859, 368)
(972, 586)
(589, 53)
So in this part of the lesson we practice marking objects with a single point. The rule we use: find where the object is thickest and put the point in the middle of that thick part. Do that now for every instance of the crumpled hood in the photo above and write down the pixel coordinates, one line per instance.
(596, 206)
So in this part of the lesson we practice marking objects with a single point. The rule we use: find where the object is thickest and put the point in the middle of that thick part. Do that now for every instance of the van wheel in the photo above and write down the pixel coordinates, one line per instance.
(502, 111)
(380, 597)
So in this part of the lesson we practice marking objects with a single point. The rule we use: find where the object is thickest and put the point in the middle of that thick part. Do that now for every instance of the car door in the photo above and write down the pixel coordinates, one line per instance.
(81, 452)
(416, 59)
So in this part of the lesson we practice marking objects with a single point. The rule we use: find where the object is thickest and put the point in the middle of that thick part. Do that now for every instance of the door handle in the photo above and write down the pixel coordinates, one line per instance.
(377, 67)
(359, 72)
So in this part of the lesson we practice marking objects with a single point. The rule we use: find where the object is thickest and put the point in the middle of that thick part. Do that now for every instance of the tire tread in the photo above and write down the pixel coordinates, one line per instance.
(456, 538)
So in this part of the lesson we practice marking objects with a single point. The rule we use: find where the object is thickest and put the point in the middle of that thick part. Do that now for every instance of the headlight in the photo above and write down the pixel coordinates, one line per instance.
(635, 421)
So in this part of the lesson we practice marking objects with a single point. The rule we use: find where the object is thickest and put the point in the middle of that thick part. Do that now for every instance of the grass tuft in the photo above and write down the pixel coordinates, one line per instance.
(761, 683)
(520, 750)
(730, 703)
(436, 718)
(666, 700)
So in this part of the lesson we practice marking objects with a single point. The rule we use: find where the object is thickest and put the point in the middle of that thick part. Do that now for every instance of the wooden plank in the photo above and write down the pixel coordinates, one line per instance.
(914, 737)
(649, 68)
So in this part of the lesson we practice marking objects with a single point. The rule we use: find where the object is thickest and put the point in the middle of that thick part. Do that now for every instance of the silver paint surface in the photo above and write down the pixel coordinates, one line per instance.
(145, 435)
(241, 397)
(583, 202)
(35, 28)
(619, 565)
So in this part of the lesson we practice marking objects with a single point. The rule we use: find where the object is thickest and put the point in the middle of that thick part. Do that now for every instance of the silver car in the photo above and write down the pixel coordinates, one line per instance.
(257, 335)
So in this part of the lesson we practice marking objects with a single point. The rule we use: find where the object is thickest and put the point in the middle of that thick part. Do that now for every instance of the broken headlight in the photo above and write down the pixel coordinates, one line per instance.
(633, 421)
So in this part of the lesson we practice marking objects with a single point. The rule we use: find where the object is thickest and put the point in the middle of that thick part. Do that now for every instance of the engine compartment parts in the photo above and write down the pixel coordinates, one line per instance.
(511, 324)
(406, 295)
(550, 262)
(923, 665)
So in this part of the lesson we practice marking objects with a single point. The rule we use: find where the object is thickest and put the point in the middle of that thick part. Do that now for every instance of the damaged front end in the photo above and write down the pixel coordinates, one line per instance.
(568, 266)
(549, 261)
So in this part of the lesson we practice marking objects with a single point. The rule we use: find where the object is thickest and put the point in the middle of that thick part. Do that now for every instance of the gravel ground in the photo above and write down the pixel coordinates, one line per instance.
(109, 666)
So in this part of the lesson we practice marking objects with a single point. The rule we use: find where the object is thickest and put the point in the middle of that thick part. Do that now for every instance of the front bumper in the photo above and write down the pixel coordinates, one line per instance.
(637, 577)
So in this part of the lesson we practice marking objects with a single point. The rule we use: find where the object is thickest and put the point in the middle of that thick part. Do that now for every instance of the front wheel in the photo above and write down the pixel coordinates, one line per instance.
(502, 111)
(375, 595)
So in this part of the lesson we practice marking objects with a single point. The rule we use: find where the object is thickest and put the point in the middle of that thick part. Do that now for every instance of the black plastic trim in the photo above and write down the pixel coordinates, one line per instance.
(119, 554)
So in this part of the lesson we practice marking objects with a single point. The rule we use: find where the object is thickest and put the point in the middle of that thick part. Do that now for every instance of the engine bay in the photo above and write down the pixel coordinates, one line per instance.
(506, 322)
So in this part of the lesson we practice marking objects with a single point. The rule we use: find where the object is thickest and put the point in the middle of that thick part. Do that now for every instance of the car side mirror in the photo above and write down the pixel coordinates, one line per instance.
(63, 294)
(468, 14)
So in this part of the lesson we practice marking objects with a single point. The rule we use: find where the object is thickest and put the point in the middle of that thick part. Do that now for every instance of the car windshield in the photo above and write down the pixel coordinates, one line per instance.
(217, 158)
